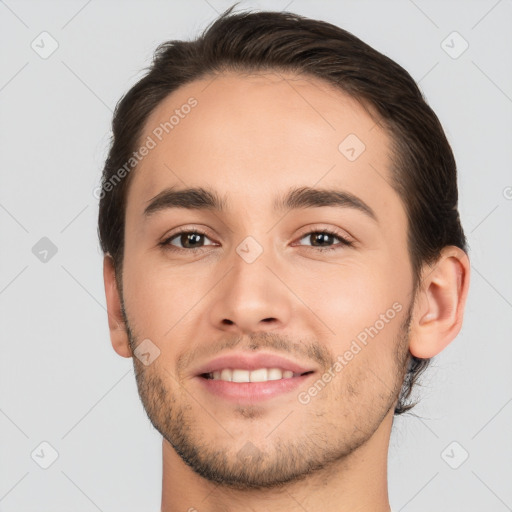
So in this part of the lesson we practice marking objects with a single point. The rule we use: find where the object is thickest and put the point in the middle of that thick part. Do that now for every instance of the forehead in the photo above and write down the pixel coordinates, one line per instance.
(259, 133)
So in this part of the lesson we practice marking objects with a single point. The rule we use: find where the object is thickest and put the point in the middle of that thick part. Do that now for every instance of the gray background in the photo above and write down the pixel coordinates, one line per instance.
(60, 380)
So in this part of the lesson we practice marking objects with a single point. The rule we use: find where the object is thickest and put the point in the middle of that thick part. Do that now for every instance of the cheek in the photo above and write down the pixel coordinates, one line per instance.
(162, 299)
(362, 304)
(348, 296)
(147, 297)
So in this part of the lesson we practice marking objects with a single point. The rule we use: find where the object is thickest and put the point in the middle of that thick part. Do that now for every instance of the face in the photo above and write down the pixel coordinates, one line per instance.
(306, 295)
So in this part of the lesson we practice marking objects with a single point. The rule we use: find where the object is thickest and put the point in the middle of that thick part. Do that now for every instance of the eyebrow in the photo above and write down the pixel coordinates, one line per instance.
(199, 198)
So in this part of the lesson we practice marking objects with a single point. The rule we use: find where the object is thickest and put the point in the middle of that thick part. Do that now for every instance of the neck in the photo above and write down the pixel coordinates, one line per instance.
(356, 483)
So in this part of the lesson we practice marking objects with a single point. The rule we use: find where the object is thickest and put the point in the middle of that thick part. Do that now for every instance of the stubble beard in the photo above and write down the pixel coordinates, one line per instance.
(169, 408)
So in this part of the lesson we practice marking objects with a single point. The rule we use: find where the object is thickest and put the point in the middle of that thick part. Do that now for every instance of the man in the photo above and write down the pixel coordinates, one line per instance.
(283, 256)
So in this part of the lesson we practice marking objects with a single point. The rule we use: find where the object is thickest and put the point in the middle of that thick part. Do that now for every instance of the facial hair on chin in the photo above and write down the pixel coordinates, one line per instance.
(250, 468)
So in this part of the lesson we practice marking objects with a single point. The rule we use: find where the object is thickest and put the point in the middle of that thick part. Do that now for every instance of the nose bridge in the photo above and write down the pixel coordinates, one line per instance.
(255, 249)
(250, 277)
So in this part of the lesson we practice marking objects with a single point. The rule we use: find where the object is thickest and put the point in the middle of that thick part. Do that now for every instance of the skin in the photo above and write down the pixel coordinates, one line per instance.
(251, 137)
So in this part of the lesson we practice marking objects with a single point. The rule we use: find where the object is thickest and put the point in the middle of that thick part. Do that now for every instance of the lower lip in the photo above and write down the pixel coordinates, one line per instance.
(252, 391)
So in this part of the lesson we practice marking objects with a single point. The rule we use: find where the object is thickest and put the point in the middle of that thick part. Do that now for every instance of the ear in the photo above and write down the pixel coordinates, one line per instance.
(116, 325)
(440, 302)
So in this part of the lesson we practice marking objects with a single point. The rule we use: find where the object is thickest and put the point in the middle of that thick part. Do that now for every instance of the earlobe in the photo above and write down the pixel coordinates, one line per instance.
(116, 325)
(440, 302)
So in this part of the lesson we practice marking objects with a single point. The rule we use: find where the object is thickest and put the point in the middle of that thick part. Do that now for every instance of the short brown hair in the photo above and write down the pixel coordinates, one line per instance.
(423, 166)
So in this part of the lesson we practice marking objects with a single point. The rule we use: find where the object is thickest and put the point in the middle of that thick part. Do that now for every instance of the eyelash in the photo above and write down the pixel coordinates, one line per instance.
(343, 241)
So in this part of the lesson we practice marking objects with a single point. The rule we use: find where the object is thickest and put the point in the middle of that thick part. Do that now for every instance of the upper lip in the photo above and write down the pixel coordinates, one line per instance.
(251, 361)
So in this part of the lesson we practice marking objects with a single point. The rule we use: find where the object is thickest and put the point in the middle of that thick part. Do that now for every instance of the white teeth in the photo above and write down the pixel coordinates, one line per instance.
(226, 374)
(275, 374)
(259, 375)
(240, 376)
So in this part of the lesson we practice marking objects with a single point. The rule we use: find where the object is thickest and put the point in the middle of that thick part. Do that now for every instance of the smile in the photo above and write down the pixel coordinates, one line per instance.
(258, 375)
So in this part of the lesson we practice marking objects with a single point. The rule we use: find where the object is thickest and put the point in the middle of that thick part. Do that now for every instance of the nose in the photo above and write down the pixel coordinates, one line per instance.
(252, 297)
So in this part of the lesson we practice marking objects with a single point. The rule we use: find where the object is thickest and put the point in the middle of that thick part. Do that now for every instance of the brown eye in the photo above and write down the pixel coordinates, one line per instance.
(322, 240)
(186, 240)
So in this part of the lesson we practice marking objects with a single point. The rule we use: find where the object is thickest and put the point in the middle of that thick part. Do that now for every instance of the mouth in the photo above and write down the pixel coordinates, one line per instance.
(246, 377)
(258, 375)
